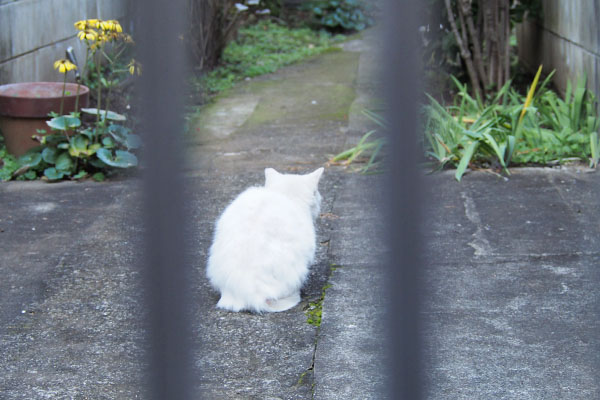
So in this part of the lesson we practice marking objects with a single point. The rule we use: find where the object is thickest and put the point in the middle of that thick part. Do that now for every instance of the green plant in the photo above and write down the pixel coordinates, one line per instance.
(274, 6)
(263, 48)
(76, 152)
(539, 128)
(340, 15)
(76, 149)
(566, 127)
(366, 145)
(8, 163)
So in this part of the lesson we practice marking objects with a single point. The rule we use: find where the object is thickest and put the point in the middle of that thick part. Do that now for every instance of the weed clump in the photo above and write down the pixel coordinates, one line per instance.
(263, 48)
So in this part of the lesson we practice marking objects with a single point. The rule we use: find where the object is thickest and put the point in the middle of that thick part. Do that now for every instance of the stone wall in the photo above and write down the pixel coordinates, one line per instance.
(567, 40)
(35, 33)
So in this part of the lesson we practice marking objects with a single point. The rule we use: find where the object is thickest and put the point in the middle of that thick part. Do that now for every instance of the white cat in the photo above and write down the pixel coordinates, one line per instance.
(264, 243)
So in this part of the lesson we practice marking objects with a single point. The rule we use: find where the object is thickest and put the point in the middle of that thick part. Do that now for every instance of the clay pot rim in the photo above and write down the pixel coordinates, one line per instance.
(71, 86)
(16, 99)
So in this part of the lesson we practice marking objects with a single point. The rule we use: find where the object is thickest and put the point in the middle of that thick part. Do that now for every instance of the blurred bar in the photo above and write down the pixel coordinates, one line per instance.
(162, 92)
(403, 199)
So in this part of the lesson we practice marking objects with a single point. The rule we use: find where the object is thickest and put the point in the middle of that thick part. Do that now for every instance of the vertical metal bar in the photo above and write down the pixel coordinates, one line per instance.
(161, 94)
(402, 92)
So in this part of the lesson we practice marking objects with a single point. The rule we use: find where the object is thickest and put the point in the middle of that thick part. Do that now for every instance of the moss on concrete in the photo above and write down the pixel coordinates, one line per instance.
(314, 312)
(326, 95)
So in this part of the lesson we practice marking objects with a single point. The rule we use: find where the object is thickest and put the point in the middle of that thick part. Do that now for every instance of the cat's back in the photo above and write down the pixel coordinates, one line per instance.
(260, 207)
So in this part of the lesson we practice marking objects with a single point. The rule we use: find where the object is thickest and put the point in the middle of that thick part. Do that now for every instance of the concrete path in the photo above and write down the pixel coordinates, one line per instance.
(512, 267)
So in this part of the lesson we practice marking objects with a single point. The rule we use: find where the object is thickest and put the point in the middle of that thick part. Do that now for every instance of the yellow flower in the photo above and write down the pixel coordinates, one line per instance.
(105, 25)
(85, 24)
(134, 67)
(81, 25)
(94, 23)
(63, 66)
(88, 34)
(111, 25)
(117, 26)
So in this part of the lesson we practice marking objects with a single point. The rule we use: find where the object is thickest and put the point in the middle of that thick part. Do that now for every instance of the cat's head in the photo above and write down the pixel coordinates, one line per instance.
(302, 187)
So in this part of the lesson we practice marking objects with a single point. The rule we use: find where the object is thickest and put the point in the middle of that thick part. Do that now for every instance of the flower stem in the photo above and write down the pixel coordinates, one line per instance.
(99, 83)
(62, 99)
(87, 53)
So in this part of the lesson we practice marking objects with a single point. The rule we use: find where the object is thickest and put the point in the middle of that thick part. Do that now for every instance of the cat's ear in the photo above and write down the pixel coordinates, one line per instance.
(316, 175)
(270, 174)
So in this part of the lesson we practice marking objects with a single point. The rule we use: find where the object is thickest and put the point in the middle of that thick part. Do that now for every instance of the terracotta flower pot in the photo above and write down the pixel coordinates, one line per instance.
(24, 108)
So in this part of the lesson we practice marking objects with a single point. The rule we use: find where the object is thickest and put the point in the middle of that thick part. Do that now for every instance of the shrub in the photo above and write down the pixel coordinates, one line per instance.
(340, 15)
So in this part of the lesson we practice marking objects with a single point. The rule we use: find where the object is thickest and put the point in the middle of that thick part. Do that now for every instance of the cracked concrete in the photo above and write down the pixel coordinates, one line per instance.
(512, 271)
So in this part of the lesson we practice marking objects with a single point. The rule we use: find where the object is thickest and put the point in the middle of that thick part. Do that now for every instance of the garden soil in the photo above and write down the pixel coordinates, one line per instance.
(510, 268)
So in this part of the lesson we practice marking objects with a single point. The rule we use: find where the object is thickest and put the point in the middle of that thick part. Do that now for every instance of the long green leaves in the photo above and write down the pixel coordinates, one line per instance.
(366, 145)
(511, 129)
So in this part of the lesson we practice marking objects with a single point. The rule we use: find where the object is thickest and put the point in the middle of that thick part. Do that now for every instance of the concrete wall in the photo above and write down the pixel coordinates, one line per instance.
(567, 40)
(35, 33)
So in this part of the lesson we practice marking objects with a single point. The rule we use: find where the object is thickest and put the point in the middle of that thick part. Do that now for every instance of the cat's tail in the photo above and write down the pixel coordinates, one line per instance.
(283, 304)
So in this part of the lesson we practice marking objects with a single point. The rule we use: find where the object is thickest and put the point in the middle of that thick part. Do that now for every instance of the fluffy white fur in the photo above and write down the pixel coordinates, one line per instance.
(265, 242)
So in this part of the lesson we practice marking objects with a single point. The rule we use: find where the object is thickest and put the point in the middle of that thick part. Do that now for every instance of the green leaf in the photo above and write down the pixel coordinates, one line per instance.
(108, 142)
(53, 174)
(30, 175)
(91, 150)
(64, 162)
(578, 99)
(53, 139)
(49, 155)
(121, 159)
(30, 159)
(119, 133)
(489, 139)
(510, 149)
(64, 123)
(99, 177)
(466, 158)
(89, 133)
(80, 174)
(104, 114)
(97, 163)
(133, 141)
(594, 150)
(78, 145)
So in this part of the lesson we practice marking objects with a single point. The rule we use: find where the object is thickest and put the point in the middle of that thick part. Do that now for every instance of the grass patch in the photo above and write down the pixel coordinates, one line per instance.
(263, 48)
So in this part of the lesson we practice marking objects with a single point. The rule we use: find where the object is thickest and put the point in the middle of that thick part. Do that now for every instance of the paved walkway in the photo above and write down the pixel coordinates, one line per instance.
(512, 267)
